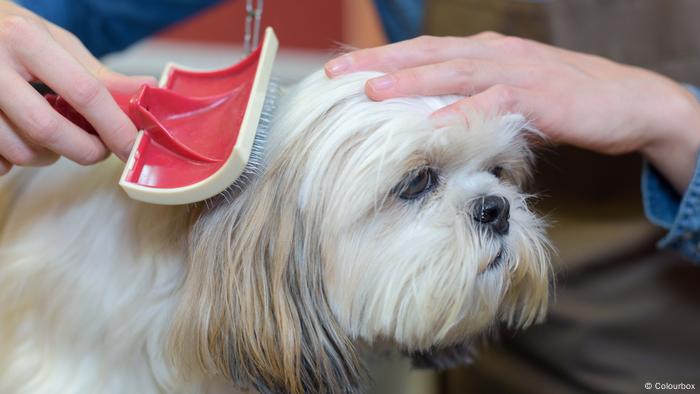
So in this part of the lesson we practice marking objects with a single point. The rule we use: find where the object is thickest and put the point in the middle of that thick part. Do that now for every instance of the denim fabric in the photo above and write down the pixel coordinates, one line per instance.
(110, 25)
(678, 214)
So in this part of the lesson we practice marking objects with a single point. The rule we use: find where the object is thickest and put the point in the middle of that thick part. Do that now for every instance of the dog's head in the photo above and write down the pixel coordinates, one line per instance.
(367, 222)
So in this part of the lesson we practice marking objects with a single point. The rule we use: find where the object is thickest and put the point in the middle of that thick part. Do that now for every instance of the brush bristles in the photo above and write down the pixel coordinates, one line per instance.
(257, 153)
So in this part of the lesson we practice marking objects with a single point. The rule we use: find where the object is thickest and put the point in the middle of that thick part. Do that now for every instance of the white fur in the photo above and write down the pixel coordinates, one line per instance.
(90, 281)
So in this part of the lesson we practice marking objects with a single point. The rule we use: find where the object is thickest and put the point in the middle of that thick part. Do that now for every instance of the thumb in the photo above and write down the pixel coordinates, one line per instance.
(498, 99)
(494, 101)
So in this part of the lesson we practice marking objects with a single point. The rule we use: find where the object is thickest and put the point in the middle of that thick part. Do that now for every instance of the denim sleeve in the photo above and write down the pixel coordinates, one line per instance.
(678, 214)
(110, 25)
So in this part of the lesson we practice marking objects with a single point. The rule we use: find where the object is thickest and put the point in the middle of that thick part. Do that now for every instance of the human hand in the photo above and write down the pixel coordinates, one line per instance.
(573, 98)
(31, 132)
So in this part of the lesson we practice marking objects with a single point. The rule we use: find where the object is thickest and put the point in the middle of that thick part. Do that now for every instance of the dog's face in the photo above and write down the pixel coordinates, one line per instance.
(369, 222)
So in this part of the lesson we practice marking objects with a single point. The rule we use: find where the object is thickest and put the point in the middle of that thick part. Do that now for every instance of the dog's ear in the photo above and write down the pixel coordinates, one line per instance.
(254, 308)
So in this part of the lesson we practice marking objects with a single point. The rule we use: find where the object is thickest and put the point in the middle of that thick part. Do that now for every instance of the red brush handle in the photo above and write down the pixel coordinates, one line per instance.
(64, 108)
(137, 108)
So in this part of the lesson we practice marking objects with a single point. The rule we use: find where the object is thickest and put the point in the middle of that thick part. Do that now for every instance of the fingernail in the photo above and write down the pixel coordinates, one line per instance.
(382, 83)
(124, 155)
(338, 66)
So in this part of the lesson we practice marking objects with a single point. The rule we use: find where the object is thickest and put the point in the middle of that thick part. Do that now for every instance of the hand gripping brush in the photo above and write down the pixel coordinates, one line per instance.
(200, 131)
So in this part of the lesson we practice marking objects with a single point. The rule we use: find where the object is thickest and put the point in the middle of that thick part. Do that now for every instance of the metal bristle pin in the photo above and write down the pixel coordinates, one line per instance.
(255, 161)
(255, 165)
(252, 25)
(251, 40)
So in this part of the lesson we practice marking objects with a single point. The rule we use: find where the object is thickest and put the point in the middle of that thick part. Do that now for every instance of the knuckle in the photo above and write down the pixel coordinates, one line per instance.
(505, 95)
(431, 46)
(102, 72)
(408, 82)
(463, 73)
(43, 127)
(19, 155)
(451, 42)
(425, 40)
(537, 75)
(89, 157)
(489, 34)
(14, 28)
(513, 44)
(119, 132)
(71, 37)
(464, 67)
(85, 91)
(407, 76)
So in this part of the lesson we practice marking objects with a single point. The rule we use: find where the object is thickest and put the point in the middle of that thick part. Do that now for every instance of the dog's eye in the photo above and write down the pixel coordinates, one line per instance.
(497, 172)
(417, 184)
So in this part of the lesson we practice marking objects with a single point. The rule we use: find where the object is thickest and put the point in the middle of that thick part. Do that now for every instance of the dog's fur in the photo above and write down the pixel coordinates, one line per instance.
(271, 287)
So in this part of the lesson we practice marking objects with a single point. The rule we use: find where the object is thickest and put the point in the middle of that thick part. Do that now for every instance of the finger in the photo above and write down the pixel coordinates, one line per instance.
(460, 76)
(494, 101)
(42, 126)
(115, 82)
(123, 88)
(67, 39)
(411, 53)
(67, 77)
(5, 166)
(74, 46)
(18, 151)
(71, 43)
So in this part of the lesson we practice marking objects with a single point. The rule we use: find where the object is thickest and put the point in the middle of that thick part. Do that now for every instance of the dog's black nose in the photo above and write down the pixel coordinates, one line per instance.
(494, 212)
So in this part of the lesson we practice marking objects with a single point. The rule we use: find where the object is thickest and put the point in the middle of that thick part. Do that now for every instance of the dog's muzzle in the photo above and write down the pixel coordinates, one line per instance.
(494, 213)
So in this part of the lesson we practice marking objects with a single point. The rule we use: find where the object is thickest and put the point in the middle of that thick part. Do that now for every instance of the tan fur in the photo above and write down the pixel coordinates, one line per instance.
(254, 300)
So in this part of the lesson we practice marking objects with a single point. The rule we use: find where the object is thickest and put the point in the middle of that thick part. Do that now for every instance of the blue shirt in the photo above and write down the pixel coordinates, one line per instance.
(110, 25)
(680, 215)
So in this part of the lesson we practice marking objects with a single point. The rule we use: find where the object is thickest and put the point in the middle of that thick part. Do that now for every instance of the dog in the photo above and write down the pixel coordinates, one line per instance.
(366, 222)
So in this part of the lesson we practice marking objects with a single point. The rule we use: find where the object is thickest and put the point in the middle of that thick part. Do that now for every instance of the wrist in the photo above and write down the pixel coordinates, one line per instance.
(674, 143)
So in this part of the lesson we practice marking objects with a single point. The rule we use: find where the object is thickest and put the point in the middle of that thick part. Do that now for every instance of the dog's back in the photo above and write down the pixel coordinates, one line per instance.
(88, 281)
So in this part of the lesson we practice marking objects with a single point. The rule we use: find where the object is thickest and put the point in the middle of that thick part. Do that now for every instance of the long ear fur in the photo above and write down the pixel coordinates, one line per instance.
(254, 308)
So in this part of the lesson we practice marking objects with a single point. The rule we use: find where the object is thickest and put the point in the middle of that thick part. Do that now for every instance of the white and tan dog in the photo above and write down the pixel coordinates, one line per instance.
(367, 223)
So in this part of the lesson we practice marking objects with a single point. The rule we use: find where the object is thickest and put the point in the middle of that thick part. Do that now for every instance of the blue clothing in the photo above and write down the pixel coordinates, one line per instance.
(402, 19)
(110, 25)
(678, 214)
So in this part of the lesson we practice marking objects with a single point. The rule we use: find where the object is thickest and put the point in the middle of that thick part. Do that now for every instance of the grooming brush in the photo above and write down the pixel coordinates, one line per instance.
(201, 132)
